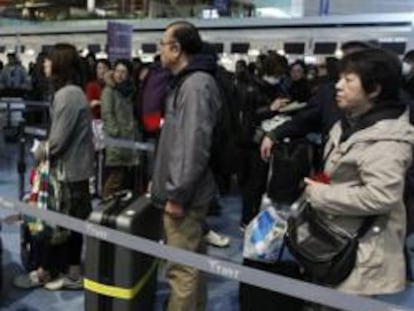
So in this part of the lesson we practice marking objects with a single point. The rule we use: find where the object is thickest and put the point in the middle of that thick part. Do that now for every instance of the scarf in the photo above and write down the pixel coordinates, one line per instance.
(352, 124)
(126, 88)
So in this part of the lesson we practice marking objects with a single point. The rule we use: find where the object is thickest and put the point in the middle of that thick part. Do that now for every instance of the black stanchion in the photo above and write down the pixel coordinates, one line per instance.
(21, 164)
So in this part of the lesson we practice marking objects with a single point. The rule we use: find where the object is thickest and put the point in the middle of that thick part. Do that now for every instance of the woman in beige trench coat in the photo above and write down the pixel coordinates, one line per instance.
(367, 156)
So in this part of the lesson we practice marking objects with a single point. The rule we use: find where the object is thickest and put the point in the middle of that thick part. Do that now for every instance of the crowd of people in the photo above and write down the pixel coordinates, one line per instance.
(359, 106)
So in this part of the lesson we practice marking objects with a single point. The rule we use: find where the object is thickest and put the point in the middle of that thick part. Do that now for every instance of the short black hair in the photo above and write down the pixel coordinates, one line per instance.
(91, 55)
(187, 36)
(104, 61)
(157, 58)
(210, 50)
(275, 64)
(409, 56)
(125, 62)
(241, 62)
(251, 67)
(375, 67)
(300, 63)
(332, 68)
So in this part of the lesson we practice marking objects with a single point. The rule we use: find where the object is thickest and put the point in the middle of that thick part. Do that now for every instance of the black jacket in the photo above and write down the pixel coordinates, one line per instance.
(255, 97)
(319, 117)
(247, 96)
(299, 91)
(408, 86)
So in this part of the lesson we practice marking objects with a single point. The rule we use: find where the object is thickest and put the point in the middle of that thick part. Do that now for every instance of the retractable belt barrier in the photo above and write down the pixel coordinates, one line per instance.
(38, 132)
(109, 141)
(239, 273)
(35, 131)
(19, 100)
(129, 144)
(18, 104)
(277, 283)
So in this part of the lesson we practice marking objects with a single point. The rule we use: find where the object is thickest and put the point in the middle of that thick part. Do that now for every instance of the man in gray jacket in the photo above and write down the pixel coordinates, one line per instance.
(183, 184)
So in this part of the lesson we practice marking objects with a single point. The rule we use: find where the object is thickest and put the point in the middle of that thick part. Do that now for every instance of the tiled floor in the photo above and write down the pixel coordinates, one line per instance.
(222, 292)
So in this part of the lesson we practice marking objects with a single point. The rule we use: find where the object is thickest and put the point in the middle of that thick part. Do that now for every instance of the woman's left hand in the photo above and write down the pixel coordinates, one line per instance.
(310, 184)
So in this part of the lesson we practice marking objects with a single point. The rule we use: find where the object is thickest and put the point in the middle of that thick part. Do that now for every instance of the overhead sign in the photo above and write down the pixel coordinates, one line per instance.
(119, 39)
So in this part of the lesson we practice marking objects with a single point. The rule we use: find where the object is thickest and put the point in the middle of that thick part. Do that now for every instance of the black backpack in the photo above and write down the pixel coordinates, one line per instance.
(224, 153)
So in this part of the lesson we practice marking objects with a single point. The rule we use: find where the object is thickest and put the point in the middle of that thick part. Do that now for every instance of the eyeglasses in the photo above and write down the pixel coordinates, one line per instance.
(162, 43)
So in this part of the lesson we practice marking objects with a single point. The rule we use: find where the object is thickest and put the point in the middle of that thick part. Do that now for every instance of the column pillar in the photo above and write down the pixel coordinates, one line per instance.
(90, 6)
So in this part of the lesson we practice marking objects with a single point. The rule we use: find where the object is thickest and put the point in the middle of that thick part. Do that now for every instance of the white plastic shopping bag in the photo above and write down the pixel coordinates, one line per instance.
(264, 236)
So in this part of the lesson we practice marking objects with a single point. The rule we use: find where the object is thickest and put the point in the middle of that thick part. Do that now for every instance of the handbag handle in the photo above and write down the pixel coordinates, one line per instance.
(281, 251)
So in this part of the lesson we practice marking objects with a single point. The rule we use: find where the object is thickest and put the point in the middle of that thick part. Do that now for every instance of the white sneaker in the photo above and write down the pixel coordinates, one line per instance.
(65, 282)
(28, 281)
(217, 240)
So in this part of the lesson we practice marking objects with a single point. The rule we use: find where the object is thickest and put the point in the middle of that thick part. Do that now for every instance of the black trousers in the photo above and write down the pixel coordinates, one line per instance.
(252, 180)
(58, 258)
(74, 201)
(252, 298)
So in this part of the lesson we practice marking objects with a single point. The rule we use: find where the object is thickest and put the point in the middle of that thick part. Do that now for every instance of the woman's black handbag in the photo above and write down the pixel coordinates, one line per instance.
(327, 254)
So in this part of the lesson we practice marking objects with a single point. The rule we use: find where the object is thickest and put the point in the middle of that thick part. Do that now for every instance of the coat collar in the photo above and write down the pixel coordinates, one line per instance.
(385, 130)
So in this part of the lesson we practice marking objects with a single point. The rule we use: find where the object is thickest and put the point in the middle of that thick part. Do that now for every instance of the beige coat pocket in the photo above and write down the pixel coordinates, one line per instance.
(371, 251)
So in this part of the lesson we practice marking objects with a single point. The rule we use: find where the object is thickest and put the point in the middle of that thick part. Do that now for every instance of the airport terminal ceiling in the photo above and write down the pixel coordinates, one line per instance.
(40, 10)
(31, 25)
(265, 32)
(47, 10)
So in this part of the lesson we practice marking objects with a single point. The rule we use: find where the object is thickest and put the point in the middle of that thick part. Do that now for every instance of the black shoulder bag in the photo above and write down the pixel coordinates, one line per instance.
(328, 254)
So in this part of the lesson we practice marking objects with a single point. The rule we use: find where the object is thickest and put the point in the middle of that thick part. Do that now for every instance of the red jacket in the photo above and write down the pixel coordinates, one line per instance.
(93, 92)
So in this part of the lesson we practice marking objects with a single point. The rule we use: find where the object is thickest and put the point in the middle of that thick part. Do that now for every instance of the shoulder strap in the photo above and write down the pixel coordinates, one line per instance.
(177, 88)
